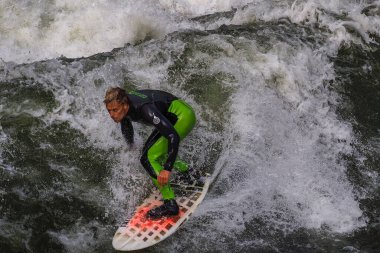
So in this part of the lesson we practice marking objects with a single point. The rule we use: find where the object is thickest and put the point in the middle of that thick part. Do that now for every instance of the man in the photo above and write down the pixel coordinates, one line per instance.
(173, 120)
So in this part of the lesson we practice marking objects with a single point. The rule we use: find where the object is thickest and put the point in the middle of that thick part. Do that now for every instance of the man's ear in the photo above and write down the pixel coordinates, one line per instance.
(126, 106)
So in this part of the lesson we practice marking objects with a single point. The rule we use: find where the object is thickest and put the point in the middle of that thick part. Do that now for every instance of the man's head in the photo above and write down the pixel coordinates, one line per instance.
(116, 101)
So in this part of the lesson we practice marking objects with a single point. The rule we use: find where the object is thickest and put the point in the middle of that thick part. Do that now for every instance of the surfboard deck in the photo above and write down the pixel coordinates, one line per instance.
(139, 232)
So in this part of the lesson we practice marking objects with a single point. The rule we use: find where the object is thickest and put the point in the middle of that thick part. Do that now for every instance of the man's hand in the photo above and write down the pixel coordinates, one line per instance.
(163, 177)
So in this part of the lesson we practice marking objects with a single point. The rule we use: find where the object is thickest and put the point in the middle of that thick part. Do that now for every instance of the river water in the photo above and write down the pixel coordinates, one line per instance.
(287, 97)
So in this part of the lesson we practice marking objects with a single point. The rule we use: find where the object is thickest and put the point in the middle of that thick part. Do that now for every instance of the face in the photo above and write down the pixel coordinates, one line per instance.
(117, 110)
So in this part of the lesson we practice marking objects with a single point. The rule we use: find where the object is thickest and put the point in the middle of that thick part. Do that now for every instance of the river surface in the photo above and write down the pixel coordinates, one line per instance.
(287, 98)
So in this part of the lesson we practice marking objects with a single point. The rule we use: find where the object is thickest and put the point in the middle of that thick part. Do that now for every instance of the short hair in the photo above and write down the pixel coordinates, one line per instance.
(116, 93)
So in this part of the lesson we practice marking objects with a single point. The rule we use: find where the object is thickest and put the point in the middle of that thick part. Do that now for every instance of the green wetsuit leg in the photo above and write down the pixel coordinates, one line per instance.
(185, 123)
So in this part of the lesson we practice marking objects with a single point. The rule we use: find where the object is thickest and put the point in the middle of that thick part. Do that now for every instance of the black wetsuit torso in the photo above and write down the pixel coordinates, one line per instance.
(150, 107)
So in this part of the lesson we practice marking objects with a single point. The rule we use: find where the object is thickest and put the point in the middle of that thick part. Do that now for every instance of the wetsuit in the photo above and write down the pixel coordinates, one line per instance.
(173, 120)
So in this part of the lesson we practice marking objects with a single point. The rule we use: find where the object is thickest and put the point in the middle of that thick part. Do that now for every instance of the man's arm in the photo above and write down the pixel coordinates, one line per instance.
(127, 130)
(166, 129)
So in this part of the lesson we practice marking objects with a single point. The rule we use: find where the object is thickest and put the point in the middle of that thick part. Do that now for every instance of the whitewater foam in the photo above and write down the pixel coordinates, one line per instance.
(44, 30)
(36, 31)
(283, 145)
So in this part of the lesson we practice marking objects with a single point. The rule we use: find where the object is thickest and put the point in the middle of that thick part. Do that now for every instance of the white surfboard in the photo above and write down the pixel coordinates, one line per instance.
(140, 232)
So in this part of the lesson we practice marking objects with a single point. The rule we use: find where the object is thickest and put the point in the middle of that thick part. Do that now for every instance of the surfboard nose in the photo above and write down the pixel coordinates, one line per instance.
(123, 241)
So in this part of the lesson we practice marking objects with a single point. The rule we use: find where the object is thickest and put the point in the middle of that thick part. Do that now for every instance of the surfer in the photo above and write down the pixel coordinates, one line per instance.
(173, 120)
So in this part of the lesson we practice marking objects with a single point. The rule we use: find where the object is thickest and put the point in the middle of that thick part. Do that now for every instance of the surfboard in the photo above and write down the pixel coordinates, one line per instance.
(138, 232)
